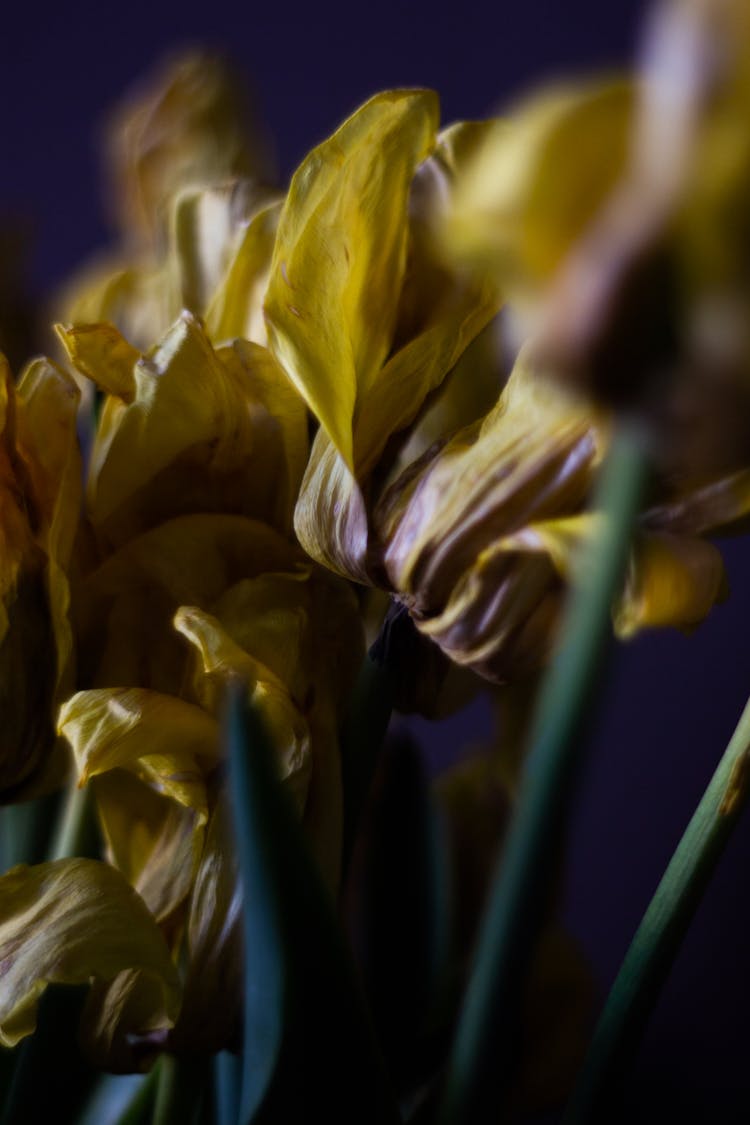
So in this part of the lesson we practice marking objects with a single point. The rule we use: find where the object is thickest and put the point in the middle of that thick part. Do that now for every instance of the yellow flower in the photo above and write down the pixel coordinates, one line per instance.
(188, 577)
(39, 509)
(474, 529)
(616, 224)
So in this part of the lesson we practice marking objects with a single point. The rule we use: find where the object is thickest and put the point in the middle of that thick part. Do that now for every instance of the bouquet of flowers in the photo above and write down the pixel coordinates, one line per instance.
(438, 419)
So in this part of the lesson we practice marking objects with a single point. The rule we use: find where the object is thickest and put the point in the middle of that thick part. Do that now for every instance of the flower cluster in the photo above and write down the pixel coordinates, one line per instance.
(282, 399)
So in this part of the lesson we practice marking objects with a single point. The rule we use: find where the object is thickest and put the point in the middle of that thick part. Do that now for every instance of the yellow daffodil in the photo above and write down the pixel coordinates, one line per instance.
(40, 484)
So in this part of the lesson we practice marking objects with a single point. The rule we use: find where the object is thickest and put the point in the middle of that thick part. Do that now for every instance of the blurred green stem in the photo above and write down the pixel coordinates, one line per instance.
(75, 824)
(483, 1060)
(658, 938)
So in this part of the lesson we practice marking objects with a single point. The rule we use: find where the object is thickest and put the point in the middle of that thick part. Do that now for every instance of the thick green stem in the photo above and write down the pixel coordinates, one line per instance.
(658, 938)
(484, 1055)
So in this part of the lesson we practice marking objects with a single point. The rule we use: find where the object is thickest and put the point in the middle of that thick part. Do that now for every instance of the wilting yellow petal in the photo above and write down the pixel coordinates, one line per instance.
(195, 438)
(220, 660)
(165, 741)
(99, 352)
(124, 609)
(538, 180)
(280, 444)
(68, 922)
(563, 540)
(531, 459)
(40, 486)
(340, 255)
(152, 840)
(672, 580)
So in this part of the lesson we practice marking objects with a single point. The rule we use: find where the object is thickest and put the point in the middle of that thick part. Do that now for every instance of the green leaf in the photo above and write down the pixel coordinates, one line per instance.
(306, 1030)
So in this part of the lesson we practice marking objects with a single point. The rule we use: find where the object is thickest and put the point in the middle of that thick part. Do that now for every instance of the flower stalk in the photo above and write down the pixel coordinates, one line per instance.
(482, 1063)
(652, 952)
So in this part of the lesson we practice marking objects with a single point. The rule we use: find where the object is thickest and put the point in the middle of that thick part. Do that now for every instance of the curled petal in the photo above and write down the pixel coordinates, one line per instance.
(67, 922)
(330, 518)
(152, 840)
(166, 742)
(196, 437)
(220, 659)
(531, 459)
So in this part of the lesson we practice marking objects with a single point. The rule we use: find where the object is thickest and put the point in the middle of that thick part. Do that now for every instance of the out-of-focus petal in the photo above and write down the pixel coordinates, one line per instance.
(672, 580)
(340, 254)
(537, 180)
(187, 127)
(236, 308)
(67, 922)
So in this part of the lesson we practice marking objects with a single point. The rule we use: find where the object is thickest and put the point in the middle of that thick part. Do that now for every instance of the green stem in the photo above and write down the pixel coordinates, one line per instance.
(74, 827)
(180, 1091)
(484, 1054)
(658, 938)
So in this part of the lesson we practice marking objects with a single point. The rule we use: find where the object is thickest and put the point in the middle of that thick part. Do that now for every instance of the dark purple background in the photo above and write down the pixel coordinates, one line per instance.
(672, 701)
